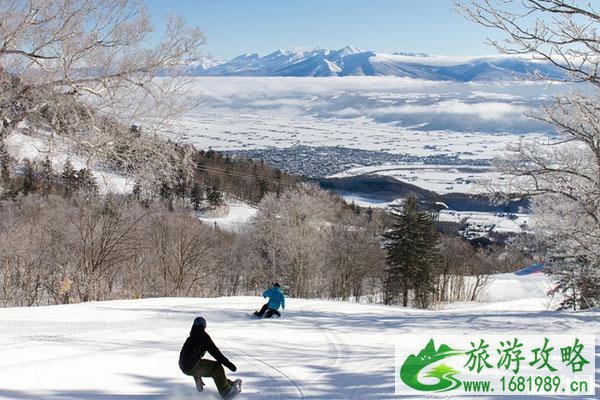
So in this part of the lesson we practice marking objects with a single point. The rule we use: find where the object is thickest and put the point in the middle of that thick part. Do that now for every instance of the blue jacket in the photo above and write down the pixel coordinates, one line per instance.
(276, 298)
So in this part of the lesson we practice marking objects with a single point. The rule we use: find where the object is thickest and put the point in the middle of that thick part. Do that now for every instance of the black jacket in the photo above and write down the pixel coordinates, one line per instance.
(194, 348)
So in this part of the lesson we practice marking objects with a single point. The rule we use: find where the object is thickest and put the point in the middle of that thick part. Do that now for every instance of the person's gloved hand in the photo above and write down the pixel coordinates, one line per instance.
(231, 366)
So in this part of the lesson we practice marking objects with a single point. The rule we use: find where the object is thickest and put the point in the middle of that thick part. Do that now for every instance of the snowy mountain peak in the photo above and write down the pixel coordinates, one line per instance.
(246, 56)
(351, 61)
(349, 49)
(205, 63)
(284, 53)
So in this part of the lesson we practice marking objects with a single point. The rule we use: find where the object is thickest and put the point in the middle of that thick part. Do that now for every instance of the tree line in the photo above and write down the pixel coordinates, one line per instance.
(62, 246)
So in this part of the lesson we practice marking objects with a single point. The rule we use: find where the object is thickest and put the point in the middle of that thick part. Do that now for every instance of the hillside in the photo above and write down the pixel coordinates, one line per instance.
(319, 349)
(381, 188)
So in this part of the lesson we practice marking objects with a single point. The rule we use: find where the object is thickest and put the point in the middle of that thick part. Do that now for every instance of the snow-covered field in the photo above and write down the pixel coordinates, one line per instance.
(470, 121)
(441, 179)
(373, 113)
(499, 222)
(318, 350)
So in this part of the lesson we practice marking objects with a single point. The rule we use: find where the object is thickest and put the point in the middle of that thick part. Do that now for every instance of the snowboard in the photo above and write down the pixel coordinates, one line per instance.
(235, 390)
(263, 317)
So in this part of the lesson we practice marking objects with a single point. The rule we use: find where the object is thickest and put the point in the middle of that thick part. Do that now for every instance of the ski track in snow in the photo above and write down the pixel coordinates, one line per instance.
(318, 350)
(288, 383)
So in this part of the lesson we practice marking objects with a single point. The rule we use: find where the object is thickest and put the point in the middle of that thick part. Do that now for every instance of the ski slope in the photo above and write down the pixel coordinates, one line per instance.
(233, 217)
(318, 350)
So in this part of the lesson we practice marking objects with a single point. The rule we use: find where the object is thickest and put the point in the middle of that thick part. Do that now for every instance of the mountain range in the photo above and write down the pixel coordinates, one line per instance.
(350, 61)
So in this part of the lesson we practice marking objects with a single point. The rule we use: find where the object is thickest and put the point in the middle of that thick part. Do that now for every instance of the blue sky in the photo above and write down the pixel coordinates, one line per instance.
(234, 27)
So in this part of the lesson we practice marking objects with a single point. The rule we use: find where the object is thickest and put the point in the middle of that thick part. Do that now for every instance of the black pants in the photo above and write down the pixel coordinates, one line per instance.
(269, 312)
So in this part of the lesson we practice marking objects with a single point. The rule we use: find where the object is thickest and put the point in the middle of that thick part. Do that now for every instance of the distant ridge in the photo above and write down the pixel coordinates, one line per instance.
(351, 61)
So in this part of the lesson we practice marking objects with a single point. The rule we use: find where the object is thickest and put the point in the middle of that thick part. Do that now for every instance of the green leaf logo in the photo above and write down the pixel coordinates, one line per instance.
(409, 372)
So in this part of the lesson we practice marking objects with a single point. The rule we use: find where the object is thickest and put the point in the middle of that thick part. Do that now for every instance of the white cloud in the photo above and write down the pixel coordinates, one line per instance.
(487, 107)
(485, 110)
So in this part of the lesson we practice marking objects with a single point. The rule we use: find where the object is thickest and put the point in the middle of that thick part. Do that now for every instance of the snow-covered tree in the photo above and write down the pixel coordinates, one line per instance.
(562, 174)
(187, 252)
(289, 239)
(86, 70)
(354, 260)
(315, 245)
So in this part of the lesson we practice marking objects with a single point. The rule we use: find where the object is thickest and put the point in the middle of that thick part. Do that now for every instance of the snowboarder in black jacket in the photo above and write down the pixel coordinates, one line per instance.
(192, 363)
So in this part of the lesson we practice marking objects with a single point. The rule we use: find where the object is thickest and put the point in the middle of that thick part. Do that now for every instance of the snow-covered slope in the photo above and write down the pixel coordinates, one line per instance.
(21, 147)
(318, 350)
(350, 61)
(201, 66)
(233, 216)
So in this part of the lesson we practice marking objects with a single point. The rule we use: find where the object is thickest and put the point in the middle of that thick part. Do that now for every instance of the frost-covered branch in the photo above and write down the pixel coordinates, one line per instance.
(562, 175)
(87, 70)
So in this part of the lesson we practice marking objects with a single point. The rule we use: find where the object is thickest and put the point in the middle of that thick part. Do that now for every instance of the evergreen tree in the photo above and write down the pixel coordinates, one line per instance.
(264, 187)
(48, 177)
(196, 196)
(180, 186)
(356, 208)
(68, 179)
(214, 196)
(4, 165)
(136, 192)
(166, 195)
(86, 181)
(411, 246)
(370, 214)
(29, 180)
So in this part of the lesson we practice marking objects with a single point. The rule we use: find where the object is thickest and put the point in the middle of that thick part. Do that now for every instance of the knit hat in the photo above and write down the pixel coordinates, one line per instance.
(199, 321)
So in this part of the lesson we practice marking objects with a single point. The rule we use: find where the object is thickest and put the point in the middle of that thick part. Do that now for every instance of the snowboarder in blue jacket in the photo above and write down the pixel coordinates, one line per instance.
(276, 300)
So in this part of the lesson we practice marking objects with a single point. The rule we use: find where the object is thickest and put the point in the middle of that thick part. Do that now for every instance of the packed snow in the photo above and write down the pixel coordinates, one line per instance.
(317, 350)
(233, 216)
